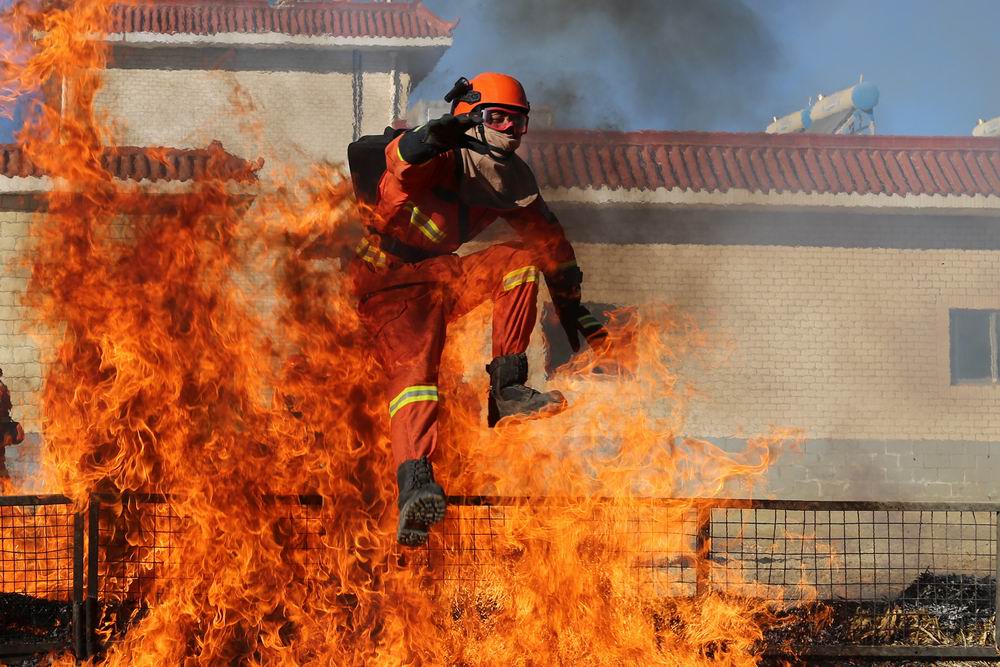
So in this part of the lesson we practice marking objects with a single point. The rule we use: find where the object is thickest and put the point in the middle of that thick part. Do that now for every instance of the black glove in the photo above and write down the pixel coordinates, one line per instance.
(448, 131)
(575, 320)
(574, 317)
(437, 136)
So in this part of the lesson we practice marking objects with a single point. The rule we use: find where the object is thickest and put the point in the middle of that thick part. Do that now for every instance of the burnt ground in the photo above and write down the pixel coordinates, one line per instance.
(27, 620)
(934, 610)
(841, 662)
(25, 661)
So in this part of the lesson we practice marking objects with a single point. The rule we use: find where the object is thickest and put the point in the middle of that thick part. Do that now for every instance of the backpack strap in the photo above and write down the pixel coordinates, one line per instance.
(463, 208)
(453, 197)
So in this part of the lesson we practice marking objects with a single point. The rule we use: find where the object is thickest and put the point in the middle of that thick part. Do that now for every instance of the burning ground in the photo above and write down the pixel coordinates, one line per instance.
(167, 377)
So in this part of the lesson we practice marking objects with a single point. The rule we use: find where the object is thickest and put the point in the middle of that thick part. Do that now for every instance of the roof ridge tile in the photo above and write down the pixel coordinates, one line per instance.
(326, 18)
(757, 162)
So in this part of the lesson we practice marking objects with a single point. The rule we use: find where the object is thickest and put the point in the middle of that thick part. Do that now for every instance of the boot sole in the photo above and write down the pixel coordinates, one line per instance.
(417, 516)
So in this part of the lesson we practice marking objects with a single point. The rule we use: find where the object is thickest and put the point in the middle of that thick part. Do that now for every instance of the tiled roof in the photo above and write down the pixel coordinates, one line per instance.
(326, 18)
(155, 164)
(798, 163)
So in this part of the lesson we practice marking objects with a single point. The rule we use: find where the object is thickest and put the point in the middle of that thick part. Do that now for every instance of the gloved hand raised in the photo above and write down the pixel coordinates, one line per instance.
(448, 131)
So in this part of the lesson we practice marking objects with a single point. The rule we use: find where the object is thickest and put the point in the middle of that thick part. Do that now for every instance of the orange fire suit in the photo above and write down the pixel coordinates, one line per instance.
(410, 284)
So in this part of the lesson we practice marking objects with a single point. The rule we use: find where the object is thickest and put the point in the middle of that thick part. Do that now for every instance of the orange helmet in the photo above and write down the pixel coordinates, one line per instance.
(489, 88)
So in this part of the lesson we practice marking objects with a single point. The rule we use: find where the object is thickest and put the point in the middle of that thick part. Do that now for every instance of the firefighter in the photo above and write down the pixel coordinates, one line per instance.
(11, 432)
(444, 183)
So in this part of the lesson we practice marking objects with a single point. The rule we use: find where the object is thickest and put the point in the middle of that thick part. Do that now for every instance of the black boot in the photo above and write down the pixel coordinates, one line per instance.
(421, 501)
(510, 396)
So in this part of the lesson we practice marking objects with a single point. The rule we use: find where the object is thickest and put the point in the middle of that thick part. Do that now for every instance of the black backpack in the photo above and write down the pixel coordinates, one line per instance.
(366, 161)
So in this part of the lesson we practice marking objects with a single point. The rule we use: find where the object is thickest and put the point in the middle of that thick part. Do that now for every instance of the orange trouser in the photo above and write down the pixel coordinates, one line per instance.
(407, 310)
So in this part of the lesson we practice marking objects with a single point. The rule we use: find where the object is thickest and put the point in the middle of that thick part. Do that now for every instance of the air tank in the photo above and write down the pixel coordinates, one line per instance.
(987, 128)
(829, 113)
(797, 121)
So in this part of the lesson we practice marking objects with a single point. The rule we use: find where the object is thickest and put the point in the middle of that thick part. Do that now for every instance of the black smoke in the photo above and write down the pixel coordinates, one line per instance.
(626, 64)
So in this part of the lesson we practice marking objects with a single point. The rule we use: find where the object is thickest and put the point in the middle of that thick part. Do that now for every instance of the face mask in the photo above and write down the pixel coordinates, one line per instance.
(501, 141)
(497, 179)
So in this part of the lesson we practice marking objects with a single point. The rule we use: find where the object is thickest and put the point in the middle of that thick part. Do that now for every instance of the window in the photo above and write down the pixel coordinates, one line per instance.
(974, 348)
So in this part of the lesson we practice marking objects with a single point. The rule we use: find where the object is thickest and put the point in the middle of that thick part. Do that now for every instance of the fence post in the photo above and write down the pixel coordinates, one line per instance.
(703, 544)
(996, 602)
(79, 621)
(92, 613)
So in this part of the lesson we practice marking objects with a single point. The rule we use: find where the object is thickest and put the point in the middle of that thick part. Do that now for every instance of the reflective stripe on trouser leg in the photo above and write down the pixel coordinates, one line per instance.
(414, 394)
(413, 415)
(515, 306)
(526, 274)
(407, 327)
(507, 275)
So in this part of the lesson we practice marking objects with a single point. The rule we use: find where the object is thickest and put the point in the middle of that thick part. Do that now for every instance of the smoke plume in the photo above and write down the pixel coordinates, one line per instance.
(630, 64)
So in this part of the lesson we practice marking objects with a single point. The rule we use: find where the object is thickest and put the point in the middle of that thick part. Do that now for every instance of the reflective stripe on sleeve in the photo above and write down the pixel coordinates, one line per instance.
(588, 322)
(424, 224)
(526, 274)
(371, 254)
(414, 394)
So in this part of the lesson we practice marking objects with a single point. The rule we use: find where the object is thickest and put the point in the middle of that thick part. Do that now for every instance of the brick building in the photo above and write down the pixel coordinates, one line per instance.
(853, 278)
(295, 84)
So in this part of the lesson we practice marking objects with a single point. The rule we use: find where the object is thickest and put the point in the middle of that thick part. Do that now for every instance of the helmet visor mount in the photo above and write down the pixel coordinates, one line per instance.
(503, 119)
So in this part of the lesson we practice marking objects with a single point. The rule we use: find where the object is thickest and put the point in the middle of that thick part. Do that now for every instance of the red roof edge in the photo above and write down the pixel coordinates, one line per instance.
(416, 9)
(763, 140)
(155, 163)
(434, 19)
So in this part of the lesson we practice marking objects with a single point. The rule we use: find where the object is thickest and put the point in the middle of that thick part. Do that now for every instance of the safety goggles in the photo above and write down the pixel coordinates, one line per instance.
(505, 120)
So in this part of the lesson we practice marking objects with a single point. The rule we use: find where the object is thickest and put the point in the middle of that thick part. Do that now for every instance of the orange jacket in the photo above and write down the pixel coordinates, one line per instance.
(418, 205)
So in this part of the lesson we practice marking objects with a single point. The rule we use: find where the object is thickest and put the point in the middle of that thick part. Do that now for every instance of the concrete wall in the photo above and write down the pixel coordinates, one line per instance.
(292, 108)
(850, 344)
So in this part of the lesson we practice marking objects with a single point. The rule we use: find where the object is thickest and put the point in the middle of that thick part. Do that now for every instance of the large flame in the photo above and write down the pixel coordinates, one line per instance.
(169, 376)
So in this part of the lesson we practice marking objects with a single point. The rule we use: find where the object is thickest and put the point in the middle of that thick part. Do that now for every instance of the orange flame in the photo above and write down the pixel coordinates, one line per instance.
(173, 374)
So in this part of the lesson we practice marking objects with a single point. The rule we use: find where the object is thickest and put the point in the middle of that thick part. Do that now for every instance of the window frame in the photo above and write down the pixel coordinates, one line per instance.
(994, 342)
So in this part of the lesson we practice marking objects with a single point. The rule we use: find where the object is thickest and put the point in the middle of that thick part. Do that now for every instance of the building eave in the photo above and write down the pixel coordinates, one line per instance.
(735, 197)
(273, 40)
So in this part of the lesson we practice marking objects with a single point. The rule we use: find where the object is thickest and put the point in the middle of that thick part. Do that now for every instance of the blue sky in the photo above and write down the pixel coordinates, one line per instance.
(934, 62)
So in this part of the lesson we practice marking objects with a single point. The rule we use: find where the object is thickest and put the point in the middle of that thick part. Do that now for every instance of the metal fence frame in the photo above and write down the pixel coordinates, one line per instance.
(78, 629)
(704, 508)
(86, 610)
(919, 653)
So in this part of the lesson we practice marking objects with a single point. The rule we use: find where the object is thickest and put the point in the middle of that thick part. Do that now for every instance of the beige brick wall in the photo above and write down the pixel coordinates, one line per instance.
(289, 118)
(19, 352)
(846, 343)
(251, 113)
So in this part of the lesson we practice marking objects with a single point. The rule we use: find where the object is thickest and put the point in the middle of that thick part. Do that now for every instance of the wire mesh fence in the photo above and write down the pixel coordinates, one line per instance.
(41, 574)
(912, 576)
(660, 543)
(899, 580)
(132, 559)
(135, 557)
